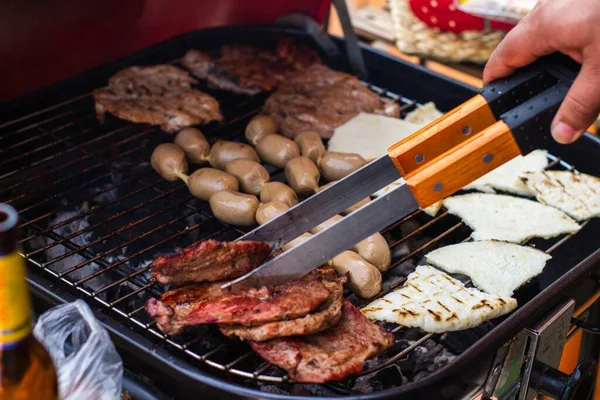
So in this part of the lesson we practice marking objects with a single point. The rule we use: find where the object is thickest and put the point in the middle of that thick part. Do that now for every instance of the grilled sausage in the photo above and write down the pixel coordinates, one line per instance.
(300, 239)
(325, 224)
(194, 145)
(375, 250)
(251, 175)
(302, 175)
(234, 208)
(364, 279)
(205, 182)
(311, 145)
(169, 161)
(280, 192)
(352, 207)
(335, 166)
(224, 151)
(259, 127)
(277, 150)
(269, 211)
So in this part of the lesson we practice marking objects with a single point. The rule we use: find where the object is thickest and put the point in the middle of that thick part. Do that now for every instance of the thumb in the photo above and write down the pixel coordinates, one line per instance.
(581, 105)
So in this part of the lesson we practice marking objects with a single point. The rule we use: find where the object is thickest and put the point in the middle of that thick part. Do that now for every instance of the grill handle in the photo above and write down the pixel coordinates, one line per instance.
(558, 385)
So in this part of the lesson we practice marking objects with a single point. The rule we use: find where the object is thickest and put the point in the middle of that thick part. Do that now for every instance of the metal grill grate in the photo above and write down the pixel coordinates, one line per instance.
(94, 213)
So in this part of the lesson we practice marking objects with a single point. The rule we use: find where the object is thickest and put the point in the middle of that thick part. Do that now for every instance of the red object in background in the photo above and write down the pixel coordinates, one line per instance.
(45, 41)
(443, 14)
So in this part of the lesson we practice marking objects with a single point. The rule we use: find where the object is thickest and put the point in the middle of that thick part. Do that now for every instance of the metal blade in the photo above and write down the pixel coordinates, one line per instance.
(298, 261)
(325, 204)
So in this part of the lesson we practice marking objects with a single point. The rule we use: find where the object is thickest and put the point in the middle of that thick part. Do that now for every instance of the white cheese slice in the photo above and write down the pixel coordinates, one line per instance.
(506, 176)
(494, 267)
(507, 218)
(423, 115)
(369, 135)
(436, 302)
(576, 194)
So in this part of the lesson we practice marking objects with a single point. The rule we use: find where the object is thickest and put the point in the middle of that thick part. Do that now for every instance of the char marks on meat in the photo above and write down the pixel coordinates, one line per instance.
(247, 69)
(157, 95)
(325, 317)
(329, 355)
(320, 99)
(207, 303)
(209, 261)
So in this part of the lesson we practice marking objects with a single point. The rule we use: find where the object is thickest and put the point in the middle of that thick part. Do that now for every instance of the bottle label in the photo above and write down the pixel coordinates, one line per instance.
(15, 304)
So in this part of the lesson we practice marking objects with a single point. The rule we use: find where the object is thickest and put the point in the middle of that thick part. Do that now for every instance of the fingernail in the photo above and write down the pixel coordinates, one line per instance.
(562, 133)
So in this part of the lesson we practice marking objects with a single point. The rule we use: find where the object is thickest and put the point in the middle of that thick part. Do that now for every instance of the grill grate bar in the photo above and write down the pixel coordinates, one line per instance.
(418, 230)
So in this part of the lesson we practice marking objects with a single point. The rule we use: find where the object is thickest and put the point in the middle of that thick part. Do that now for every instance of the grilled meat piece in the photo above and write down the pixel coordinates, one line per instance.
(320, 99)
(157, 95)
(325, 317)
(247, 69)
(330, 355)
(209, 261)
(206, 303)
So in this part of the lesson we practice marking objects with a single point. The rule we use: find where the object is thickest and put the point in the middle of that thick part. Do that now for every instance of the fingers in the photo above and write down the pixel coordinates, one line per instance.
(581, 105)
(522, 45)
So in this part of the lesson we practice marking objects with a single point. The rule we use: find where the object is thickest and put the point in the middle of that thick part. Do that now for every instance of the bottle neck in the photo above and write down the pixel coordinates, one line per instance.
(15, 303)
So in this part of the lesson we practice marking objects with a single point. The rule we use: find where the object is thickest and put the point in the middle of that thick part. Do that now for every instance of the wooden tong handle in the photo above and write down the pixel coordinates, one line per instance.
(462, 164)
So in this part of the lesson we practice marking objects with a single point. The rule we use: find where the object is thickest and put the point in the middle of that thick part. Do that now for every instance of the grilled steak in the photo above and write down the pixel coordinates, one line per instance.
(247, 69)
(206, 303)
(330, 355)
(209, 261)
(325, 317)
(157, 95)
(320, 99)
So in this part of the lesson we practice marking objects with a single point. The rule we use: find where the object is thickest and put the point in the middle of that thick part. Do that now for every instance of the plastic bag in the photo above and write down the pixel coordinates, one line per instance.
(86, 361)
(500, 10)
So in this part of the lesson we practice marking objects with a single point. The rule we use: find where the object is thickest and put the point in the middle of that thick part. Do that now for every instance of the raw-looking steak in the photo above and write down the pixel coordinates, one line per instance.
(320, 99)
(247, 69)
(156, 95)
(325, 317)
(330, 355)
(209, 261)
(207, 303)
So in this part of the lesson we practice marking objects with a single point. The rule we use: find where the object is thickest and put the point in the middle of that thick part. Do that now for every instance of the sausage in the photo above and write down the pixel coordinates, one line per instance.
(353, 207)
(234, 208)
(335, 166)
(364, 279)
(259, 127)
(300, 239)
(194, 145)
(375, 250)
(270, 210)
(169, 161)
(311, 145)
(224, 151)
(205, 182)
(280, 192)
(277, 150)
(302, 175)
(251, 175)
(325, 224)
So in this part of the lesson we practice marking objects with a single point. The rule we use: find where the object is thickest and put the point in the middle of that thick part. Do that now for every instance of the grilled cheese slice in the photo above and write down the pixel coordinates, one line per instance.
(578, 195)
(507, 218)
(494, 267)
(506, 177)
(435, 302)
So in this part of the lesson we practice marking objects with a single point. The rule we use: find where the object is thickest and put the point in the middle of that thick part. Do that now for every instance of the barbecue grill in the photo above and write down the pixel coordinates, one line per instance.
(94, 213)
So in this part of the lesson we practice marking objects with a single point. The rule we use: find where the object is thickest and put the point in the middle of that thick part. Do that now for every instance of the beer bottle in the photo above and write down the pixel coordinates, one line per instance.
(26, 368)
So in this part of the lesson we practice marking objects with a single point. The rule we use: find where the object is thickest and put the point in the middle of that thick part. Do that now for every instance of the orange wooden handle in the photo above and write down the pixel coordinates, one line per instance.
(459, 166)
(453, 128)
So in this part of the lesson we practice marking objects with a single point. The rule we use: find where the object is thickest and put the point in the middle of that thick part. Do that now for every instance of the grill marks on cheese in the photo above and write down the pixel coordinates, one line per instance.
(578, 195)
(435, 302)
(494, 267)
(510, 219)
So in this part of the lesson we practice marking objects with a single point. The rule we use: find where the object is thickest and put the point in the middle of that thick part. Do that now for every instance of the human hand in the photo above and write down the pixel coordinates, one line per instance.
(570, 27)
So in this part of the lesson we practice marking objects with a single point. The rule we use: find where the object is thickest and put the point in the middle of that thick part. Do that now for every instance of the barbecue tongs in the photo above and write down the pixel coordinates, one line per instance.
(509, 117)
